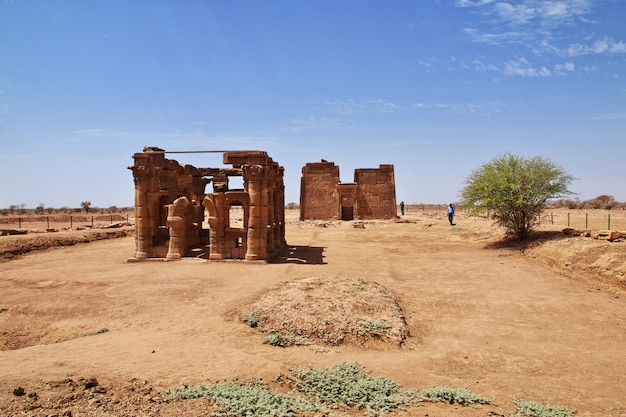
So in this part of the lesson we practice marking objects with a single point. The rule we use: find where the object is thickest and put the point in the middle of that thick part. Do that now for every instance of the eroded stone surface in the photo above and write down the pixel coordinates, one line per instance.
(170, 203)
(372, 195)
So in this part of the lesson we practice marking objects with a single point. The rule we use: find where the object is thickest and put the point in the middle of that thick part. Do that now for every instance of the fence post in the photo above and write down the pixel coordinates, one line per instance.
(92, 222)
(71, 226)
(609, 226)
(568, 219)
(111, 219)
(19, 222)
(552, 216)
(586, 220)
(47, 222)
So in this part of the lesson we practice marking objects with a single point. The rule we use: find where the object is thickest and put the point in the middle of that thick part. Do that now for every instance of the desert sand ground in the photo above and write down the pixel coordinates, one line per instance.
(543, 321)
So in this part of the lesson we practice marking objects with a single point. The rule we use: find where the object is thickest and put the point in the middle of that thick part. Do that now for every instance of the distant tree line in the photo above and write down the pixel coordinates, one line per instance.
(602, 202)
(86, 207)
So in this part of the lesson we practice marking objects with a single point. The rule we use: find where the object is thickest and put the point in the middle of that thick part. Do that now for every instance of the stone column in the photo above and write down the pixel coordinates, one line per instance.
(257, 225)
(279, 192)
(177, 214)
(217, 226)
(176, 247)
(271, 218)
(143, 235)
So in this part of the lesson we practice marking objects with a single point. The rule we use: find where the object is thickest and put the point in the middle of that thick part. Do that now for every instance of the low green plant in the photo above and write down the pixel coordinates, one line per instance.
(99, 331)
(532, 409)
(360, 287)
(251, 398)
(280, 340)
(452, 395)
(348, 384)
(371, 326)
(318, 390)
(252, 319)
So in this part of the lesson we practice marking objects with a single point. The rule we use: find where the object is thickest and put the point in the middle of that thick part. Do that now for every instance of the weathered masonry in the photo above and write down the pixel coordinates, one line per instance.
(171, 207)
(372, 195)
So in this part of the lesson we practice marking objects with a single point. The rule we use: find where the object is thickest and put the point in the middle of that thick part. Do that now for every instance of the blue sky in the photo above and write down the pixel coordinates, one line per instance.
(436, 88)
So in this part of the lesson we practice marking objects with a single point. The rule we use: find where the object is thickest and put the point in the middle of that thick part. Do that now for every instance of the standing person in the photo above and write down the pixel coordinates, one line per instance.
(451, 214)
(402, 207)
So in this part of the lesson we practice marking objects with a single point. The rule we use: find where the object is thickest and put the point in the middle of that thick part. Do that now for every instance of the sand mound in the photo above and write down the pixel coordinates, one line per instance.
(329, 311)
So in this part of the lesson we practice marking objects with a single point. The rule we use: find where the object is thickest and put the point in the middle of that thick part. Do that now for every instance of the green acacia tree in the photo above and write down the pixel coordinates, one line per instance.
(514, 191)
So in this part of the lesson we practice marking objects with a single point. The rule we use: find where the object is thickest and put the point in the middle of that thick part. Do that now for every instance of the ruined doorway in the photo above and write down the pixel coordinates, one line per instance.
(237, 229)
(347, 213)
(162, 234)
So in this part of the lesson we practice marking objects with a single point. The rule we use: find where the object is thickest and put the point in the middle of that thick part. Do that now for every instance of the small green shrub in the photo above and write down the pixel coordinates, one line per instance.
(371, 326)
(459, 395)
(99, 331)
(281, 340)
(532, 409)
(252, 319)
(252, 398)
(348, 384)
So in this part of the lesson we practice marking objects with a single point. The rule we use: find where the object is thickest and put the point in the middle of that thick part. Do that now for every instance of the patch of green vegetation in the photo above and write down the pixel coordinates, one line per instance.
(457, 229)
(348, 384)
(360, 287)
(452, 395)
(336, 390)
(532, 409)
(251, 398)
(99, 331)
(280, 340)
(371, 326)
(252, 319)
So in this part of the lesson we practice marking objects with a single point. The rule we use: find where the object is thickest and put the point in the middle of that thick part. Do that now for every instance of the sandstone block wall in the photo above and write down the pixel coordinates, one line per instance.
(372, 195)
(318, 191)
(171, 203)
(376, 192)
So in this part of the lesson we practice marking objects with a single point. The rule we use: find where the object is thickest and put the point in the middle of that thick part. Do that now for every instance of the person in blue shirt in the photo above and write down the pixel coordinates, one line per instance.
(451, 214)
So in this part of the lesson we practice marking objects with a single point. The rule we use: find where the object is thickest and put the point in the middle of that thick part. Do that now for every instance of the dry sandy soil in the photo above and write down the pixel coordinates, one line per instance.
(83, 332)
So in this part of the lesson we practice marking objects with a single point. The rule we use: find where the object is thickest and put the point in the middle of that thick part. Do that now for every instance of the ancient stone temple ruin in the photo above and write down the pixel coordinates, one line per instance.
(372, 195)
(174, 216)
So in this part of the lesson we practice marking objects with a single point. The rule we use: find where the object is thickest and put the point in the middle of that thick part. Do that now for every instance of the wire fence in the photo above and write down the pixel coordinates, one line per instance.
(63, 221)
(595, 220)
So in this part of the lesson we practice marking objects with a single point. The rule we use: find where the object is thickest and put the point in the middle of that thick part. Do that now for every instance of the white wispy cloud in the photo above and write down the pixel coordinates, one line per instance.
(351, 106)
(494, 38)
(547, 13)
(550, 30)
(523, 68)
(483, 108)
(309, 123)
(565, 67)
(599, 46)
(5, 108)
(536, 24)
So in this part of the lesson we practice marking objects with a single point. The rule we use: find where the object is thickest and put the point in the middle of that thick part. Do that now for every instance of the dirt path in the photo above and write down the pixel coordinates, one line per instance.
(486, 319)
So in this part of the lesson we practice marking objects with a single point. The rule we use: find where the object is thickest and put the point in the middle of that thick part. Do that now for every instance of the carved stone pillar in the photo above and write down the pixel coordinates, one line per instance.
(271, 218)
(177, 214)
(143, 235)
(257, 225)
(217, 226)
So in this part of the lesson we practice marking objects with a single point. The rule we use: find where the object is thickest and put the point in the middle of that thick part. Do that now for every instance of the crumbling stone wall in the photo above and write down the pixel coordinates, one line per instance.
(376, 192)
(170, 200)
(372, 195)
(318, 190)
(159, 182)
